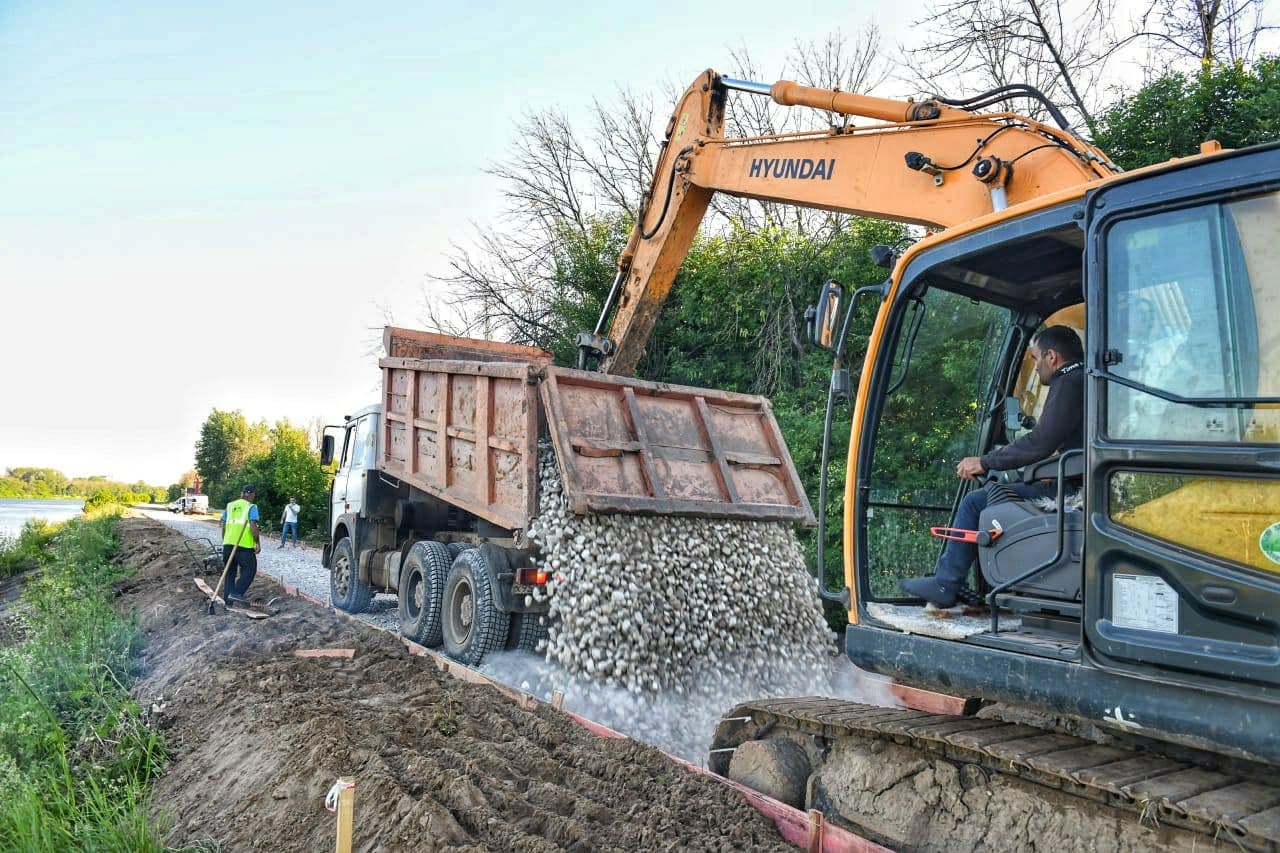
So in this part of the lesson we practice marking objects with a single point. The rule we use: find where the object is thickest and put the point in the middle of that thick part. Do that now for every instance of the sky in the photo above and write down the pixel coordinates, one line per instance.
(220, 205)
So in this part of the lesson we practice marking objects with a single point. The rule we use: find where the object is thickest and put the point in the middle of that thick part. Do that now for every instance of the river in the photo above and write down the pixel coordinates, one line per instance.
(14, 512)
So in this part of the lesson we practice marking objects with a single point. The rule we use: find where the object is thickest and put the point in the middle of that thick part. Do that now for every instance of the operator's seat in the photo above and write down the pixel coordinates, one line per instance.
(1029, 537)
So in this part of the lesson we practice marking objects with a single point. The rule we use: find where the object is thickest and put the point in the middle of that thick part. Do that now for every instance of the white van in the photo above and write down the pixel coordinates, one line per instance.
(188, 504)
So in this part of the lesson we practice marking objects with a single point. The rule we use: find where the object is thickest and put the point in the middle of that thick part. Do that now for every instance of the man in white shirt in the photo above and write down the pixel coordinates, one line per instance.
(289, 522)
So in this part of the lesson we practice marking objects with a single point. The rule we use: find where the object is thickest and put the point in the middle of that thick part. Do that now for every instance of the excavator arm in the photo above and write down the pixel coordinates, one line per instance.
(928, 164)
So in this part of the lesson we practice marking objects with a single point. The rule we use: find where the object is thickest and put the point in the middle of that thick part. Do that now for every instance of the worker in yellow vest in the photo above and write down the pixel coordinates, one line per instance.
(240, 526)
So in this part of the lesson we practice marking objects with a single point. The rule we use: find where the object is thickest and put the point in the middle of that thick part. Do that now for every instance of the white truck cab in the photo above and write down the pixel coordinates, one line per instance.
(358, 459)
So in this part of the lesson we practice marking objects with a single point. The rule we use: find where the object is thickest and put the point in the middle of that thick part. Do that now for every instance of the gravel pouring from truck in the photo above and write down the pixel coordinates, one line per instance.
(438, 483)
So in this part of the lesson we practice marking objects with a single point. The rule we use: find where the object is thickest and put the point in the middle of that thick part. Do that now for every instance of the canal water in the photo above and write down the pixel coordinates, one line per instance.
(14, 512)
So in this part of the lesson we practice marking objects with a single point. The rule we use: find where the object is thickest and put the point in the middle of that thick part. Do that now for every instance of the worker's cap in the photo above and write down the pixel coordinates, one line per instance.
(248, 490)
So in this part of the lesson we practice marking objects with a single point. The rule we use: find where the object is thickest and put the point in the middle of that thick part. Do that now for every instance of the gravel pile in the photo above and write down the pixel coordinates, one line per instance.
(661, 625)
(655, 603)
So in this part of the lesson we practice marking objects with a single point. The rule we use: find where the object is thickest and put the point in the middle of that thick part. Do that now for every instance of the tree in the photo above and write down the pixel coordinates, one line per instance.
(1207, 31)
(1061, 47)
(279, 461)
(42, 482)
(294, 469)
(227, 442)
(1169, 117)
(220, 434)
(1066, 48)
(569, 189)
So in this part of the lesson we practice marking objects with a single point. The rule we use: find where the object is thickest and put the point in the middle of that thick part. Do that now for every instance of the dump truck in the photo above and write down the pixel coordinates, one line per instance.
(436, 484)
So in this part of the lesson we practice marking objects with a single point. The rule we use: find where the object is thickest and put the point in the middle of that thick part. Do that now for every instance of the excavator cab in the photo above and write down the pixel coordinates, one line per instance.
(1149, 582)
(955, 354)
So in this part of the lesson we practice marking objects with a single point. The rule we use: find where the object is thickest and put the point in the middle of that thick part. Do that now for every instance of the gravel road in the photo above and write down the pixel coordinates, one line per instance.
(298, 566)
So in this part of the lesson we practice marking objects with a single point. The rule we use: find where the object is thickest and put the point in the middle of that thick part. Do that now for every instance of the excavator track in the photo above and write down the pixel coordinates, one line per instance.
(1155, 789)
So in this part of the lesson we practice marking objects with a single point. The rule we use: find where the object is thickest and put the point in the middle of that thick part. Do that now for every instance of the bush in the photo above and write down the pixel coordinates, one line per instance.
(76, 757)
(100, 499)
(24, 552)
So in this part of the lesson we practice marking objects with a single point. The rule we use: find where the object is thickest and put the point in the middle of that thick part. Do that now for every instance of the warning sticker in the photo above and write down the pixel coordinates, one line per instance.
(1269, 542)
(1143, 602)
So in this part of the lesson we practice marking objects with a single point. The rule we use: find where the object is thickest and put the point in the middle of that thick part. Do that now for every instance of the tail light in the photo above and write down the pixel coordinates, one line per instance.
(533, 577)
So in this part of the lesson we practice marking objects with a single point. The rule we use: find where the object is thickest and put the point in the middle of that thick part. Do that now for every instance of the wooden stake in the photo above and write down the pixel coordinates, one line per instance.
(557, 699)
(324, 653)
(346, 814)
(815, 831)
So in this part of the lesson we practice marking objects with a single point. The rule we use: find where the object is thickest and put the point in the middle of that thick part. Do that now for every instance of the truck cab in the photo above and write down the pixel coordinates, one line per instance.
(1150, 602)
(358, 458)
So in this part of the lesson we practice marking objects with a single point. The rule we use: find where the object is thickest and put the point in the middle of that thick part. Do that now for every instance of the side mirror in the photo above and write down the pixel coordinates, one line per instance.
(326, 451)
(883, 256)
(823, 318)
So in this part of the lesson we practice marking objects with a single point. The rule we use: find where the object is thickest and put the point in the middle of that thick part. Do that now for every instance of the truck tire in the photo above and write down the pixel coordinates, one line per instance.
(346, 590)
(456, 548)
(527, 630)
(472, 625)
(421, 592)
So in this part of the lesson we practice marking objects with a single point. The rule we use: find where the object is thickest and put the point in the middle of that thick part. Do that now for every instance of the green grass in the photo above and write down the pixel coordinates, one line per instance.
(76, 757)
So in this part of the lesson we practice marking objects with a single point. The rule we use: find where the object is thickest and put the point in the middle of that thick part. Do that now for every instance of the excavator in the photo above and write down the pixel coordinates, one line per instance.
(1114, 680)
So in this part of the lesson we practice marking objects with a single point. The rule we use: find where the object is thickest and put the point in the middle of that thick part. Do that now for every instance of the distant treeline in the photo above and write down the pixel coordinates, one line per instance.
(46, 483)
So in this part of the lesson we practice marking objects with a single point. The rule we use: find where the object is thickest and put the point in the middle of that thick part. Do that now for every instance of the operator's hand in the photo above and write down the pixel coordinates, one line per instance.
(257, 547)
(971, 468)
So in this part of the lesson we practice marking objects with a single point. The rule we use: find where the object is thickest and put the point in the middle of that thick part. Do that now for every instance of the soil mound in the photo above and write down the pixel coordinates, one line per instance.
(261, 735)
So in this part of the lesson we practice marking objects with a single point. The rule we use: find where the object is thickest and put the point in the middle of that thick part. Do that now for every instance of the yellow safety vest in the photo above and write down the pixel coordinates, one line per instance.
(238, 523)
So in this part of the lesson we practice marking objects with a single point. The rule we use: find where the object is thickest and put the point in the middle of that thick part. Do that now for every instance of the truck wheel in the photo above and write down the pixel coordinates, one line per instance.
(472, 625)
(421, 592)
(456, 548)
(346, 590)
(527, 630)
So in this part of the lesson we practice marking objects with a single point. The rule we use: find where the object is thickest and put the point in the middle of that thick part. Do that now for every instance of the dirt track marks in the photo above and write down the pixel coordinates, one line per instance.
(440, 764)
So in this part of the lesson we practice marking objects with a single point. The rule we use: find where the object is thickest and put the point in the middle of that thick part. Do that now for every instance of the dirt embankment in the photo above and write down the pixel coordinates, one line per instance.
(261, 735)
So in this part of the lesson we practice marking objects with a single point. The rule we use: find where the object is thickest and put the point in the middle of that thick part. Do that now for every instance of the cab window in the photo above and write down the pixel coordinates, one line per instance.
(943, 361)
(358, 446)
(1186, 294)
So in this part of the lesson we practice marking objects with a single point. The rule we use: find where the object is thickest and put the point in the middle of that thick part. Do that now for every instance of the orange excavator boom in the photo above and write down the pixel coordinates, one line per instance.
(927, 163)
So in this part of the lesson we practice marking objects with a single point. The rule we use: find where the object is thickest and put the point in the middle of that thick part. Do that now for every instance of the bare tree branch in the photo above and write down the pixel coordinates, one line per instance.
(560, 177)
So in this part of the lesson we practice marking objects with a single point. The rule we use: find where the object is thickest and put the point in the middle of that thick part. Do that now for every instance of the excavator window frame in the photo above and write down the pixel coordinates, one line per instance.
(935, 267)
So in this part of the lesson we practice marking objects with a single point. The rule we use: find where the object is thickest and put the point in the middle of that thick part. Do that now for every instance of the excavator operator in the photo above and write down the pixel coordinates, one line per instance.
(1058, 357)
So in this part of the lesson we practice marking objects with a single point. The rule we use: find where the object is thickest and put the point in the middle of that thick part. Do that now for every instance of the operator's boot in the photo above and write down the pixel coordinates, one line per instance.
(933, 589)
